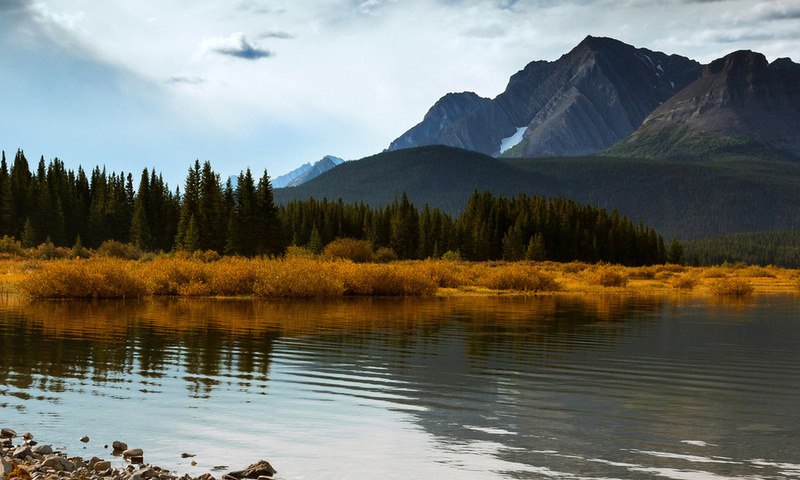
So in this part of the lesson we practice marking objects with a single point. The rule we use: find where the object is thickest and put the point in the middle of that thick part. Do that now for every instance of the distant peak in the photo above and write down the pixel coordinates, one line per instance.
(738, 63)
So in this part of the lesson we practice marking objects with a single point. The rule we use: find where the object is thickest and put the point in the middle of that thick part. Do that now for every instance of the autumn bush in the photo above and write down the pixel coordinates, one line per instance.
(115, 249)
(387, 280)
(358, 251)
(608, 276)
(298, 278)
(518, 277)
(731, 286)
(96, 278)
(684, 282)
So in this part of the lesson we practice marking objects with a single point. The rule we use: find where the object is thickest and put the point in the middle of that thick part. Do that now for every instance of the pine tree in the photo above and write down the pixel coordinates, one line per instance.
(28, 238)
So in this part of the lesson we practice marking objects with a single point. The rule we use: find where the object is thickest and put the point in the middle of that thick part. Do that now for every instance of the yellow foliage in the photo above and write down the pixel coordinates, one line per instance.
(96, 278)
(298, 278)
(685, 282)
(19, 472)
(609, 276)
(518, 277)
(351, 249)
(731, 286)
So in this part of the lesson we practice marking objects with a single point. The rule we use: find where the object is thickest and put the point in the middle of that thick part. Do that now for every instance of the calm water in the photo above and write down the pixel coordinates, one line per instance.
(499, 388)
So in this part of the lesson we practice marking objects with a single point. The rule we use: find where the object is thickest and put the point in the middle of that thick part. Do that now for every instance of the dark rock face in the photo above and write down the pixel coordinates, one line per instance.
(583, 102)
(449, 109)
(739, 96)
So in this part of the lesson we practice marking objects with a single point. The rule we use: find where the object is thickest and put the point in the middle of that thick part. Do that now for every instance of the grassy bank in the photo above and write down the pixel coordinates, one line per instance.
(298, 277)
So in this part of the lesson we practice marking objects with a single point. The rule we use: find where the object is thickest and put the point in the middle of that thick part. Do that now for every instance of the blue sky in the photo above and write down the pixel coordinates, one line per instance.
(274, 84)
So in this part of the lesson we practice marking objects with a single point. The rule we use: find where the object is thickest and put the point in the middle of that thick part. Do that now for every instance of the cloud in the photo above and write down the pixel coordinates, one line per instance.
(235, 45)
(279, 35)
(777, 13)
(185, 79)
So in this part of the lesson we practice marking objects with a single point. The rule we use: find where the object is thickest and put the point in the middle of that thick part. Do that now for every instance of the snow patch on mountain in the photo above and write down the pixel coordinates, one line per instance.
(509, 142)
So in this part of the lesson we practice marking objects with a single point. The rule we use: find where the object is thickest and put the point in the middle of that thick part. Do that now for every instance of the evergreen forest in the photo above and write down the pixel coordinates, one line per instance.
(64, 207)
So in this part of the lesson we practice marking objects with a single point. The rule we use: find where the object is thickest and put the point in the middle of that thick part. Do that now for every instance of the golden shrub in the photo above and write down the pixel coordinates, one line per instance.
(684, 282)
(609, 276)
(518, 277)
(358, 251)
(732, 286)
(754, 271)
(96, 278)
(298, 278)
(388, 280)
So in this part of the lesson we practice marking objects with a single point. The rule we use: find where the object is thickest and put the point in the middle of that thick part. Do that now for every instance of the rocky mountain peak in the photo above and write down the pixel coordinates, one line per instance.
(738, 64)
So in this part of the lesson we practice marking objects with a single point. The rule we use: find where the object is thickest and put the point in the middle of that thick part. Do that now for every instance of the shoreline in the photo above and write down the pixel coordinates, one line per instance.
(27, 459)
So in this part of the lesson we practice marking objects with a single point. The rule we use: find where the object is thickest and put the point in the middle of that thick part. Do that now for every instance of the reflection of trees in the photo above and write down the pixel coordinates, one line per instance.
(211, 340)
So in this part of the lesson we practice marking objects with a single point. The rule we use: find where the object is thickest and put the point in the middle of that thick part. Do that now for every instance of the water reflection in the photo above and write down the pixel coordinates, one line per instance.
(556, 386)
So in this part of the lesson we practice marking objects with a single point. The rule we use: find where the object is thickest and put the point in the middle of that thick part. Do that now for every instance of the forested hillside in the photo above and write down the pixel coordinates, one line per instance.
(688, 199)
(778, 248)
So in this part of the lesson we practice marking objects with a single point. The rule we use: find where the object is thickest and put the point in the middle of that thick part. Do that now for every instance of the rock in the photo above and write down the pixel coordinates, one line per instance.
(43, 449)
(7, 433)
(78, 462)
(261, 468)
(193, 463)
(84, 439)
(137, 460)
(27, 436)
(101, 466)
(133, 452)
(117, 445)
(60, 464)
(187, 455)
(94, 460)
(5, 467)
(146, 472)
(21, 452)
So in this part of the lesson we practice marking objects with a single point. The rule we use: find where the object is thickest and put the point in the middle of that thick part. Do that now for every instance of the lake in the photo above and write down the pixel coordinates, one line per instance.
(565, 387)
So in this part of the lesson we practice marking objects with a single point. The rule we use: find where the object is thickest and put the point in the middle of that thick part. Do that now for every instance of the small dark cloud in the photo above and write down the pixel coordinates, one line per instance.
(185, 79)
(236, 46)
(279, 35)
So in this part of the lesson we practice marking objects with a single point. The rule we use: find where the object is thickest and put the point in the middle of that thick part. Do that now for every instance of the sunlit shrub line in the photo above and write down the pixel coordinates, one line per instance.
(296, 277)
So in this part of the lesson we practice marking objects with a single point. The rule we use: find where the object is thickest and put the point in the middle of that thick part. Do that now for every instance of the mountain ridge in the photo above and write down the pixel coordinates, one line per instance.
(584, 91)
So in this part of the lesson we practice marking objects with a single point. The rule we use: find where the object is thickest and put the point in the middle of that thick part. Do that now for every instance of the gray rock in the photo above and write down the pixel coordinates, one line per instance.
(261, 468)
(5, 467)
(58, 463)
(101, 466)
(43, 449)
(133, 452)
(117, 445)
(7, 433)
(94, 460)
(21, 452)
(135, 476)
(27, 436)
(146, 472)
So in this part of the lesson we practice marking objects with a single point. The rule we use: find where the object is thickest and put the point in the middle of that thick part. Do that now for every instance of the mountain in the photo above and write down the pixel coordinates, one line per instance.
(306, 172)
(688, 199)
(740, 103)
(283, 180)
(448, 110)
(322, 166)
(591, 97)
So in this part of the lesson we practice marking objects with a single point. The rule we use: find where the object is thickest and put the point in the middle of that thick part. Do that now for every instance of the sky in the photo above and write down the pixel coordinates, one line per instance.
(273, 84)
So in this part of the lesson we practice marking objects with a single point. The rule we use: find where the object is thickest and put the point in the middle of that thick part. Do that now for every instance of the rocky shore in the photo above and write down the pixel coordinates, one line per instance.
(22, 457)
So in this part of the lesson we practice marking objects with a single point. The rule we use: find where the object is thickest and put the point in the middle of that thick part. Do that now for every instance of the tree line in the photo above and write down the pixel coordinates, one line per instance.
(66, 207)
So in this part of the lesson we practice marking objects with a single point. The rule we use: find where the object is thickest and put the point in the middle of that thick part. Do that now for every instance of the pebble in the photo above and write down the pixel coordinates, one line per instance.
(41, 463)
(84, 439)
